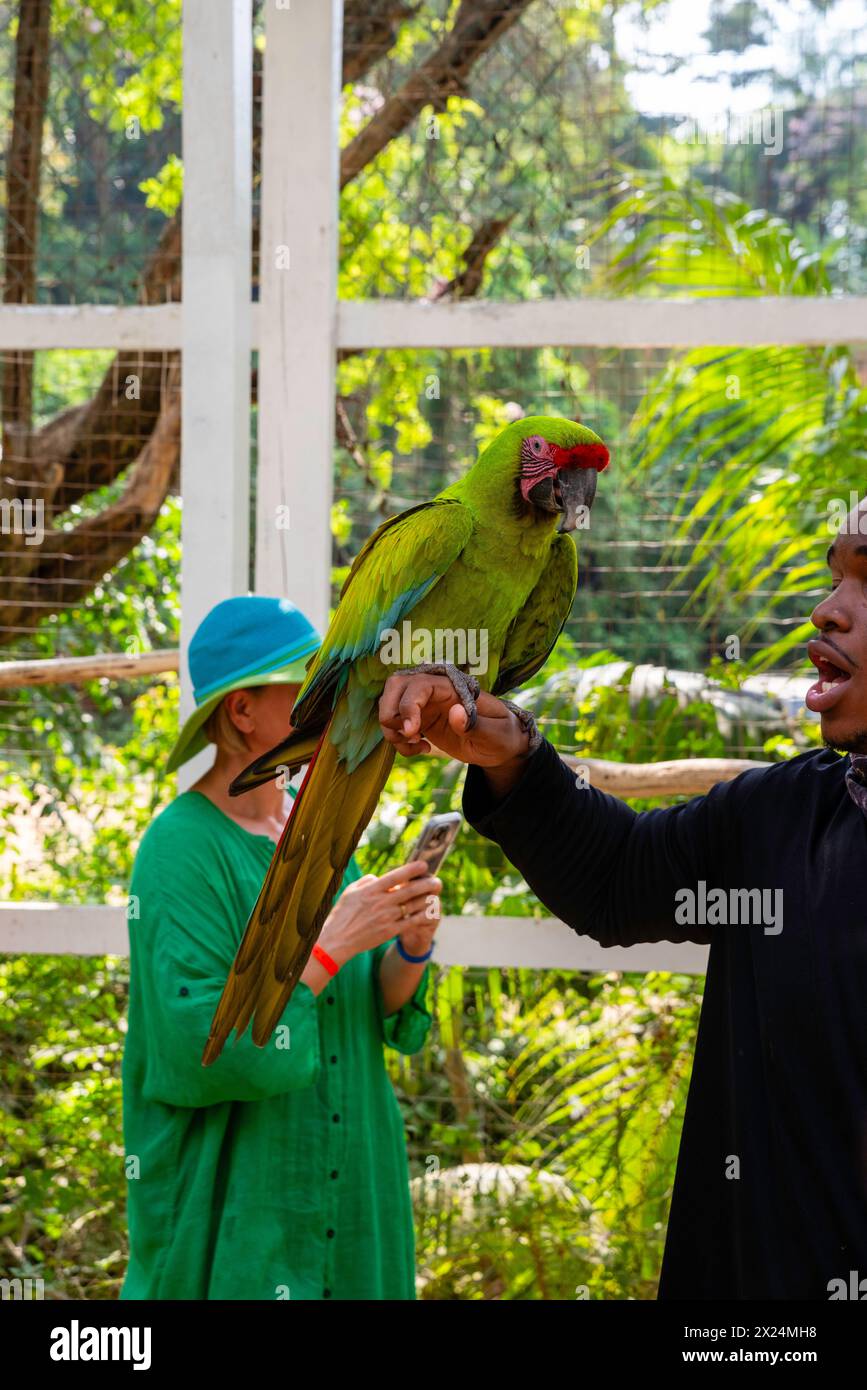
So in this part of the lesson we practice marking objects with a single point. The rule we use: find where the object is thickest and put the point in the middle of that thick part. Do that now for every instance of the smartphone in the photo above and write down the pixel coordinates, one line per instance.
(435, 841)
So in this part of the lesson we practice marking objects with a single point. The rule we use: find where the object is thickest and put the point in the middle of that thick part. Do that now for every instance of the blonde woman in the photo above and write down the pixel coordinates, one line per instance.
(278, 1172)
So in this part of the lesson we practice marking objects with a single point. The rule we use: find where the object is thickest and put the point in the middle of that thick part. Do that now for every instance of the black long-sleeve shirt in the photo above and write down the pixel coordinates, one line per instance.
(779, 1079)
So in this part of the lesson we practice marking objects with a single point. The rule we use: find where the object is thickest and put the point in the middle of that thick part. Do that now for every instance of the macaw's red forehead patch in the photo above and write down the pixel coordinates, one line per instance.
(582, 456)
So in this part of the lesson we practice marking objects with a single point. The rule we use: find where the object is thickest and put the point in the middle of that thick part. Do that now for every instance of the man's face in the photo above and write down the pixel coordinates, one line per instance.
(839, 696)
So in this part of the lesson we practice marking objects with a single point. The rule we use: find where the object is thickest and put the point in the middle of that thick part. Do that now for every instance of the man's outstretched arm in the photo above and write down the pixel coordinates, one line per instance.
(608, 871)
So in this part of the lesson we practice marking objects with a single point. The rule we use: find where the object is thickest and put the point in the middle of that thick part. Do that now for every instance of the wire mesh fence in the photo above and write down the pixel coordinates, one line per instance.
(487, 148)
(500, 135)
(91, 556)
(90, 98)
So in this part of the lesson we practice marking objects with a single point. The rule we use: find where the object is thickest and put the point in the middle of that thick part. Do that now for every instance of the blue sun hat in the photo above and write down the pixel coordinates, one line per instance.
(243, 642)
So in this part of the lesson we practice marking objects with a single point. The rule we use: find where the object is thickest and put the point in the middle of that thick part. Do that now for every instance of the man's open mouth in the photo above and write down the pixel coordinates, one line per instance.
(834, 676)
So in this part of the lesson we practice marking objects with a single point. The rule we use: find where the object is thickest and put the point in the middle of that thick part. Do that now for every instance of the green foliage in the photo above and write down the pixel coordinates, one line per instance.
(513, 150)
(63, 1018)
(133, 66)
(581, 1082)
(62, 1204)
(676, 236)
(165, 190)
(112, 129)
(763, 441)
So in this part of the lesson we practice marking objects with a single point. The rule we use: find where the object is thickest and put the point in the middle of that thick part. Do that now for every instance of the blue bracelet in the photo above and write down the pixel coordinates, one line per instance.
(413, 960)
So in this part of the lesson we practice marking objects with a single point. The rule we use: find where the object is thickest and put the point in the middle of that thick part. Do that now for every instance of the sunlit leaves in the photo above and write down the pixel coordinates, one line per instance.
(165, 190)
(133, 67)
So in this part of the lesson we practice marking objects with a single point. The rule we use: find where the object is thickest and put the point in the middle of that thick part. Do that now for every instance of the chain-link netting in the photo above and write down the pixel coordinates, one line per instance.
(498, 130)
(491, 149)
(90, 99)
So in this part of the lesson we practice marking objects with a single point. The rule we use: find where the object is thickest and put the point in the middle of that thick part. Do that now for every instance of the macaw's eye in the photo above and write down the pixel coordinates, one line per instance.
(536, 445)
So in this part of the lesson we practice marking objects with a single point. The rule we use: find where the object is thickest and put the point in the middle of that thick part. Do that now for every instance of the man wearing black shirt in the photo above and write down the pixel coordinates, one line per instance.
(770, 1195)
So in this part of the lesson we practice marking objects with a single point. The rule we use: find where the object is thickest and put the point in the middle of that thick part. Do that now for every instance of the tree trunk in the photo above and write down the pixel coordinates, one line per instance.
(23, 168)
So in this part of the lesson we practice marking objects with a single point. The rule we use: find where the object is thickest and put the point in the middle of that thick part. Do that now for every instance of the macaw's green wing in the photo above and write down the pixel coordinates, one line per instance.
(397, 566)
(531, 638)
(393, 571)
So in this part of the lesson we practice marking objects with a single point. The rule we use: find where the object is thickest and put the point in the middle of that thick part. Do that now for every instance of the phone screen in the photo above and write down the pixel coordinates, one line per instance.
(435, 841)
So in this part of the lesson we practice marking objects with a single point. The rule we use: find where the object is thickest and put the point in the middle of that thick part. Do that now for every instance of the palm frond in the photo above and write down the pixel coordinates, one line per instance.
(762, 440)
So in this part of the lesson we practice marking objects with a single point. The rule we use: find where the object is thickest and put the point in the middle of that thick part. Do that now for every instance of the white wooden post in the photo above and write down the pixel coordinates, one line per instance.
(298, 273)
(215, 439)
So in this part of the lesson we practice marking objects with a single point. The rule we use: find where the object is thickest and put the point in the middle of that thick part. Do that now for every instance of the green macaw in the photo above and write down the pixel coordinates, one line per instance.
(488, 555)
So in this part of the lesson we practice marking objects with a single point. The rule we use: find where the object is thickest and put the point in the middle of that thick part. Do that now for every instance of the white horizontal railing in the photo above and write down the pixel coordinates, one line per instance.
(609, 323)
(156, 327)
(546, 944)
(397, 323)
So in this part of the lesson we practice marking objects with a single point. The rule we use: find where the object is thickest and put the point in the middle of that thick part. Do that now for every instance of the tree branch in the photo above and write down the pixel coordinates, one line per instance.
(370, 29)
(468, 282)
(478, 24)
(88, 551)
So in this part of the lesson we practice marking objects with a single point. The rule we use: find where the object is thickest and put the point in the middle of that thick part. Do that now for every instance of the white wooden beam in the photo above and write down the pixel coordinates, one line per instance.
(59, 929)
(155, 327)
(298, 276)
(217, 223)
(550, 945)
(626, 323)
(47, 929)
(387, 323)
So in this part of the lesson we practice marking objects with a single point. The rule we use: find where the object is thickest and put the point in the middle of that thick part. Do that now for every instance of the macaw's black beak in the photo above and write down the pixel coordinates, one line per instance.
(569, 491)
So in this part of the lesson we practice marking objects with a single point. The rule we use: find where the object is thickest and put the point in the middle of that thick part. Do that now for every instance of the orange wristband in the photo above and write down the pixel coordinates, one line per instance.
(325, 960)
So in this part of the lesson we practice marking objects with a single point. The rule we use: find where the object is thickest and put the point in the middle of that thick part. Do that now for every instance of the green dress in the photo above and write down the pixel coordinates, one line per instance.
(278, 1172)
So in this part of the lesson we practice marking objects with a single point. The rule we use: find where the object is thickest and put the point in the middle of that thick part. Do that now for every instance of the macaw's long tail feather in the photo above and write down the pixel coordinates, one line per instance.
(329, 814)
(286, 758)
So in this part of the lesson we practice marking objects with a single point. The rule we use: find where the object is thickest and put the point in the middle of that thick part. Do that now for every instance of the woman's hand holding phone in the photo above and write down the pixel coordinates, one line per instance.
(373, 910)
(405, 902)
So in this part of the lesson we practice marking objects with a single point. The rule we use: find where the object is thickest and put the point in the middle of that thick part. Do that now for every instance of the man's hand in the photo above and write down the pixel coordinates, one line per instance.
(418, 712)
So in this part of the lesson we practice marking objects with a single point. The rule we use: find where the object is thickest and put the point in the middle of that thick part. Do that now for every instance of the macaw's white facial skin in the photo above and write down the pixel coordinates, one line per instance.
(839, 653)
